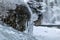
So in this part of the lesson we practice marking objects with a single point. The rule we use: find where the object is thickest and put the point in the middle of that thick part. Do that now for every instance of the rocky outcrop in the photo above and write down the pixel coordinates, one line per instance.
(36, 7)
(17, 18)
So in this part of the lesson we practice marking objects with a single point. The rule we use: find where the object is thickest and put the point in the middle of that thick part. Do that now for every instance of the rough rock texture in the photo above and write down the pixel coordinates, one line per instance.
(17, 18)
(38, 22)
(36, 7)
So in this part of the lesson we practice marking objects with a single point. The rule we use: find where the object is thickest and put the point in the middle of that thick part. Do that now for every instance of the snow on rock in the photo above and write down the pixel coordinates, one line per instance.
(45, 33)
(8, 33)
(34, 17)
(26, 0)
(14, 1)
(51, 0)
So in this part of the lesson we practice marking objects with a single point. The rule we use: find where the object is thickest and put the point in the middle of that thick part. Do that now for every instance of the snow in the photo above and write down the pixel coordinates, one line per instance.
(34, 17)
(39, 33)
(8, 33)
(51, 0)
(26, 0)
(46, 33)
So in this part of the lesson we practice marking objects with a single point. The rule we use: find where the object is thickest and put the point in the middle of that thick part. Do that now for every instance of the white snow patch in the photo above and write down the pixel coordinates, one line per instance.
(34, 17)
(26, 0)
(45, 33)
(51, 0)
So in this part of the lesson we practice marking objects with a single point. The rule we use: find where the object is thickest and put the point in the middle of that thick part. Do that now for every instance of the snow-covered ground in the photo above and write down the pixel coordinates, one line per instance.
(39, 33)
(8, 33)
(46, 33)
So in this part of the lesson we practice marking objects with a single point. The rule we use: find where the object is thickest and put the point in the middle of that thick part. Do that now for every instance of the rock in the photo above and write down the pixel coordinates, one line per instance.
(17, 18)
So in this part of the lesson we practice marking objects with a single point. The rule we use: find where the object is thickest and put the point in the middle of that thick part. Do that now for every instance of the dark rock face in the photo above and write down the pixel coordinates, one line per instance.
(38, 22)
(36, 7)
(17, 18)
